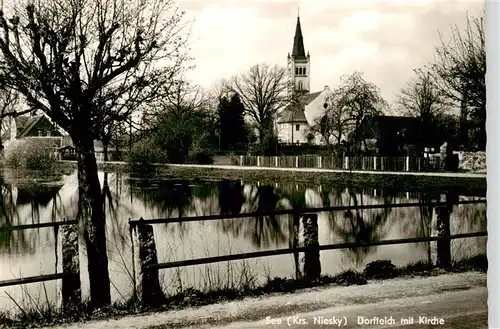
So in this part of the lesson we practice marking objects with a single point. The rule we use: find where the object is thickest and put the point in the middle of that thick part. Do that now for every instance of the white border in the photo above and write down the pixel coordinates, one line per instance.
(492, 26)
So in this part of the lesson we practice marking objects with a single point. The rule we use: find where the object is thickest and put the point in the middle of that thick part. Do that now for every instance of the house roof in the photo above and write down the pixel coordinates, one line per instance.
(298, 42)
(25, 123)
(29, 123)
(295, 113)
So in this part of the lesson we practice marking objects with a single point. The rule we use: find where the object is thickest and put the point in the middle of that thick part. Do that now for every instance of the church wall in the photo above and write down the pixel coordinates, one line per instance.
(287, 131)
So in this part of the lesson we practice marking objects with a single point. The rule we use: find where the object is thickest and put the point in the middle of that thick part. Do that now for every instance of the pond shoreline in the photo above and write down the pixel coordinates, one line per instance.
(274, 287)
(403, 181)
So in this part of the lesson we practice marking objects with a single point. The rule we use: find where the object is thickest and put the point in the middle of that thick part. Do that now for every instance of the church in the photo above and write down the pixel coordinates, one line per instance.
(294, 122)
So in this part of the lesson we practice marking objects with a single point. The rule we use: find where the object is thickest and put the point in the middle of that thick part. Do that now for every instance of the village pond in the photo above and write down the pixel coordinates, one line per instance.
(32, 199)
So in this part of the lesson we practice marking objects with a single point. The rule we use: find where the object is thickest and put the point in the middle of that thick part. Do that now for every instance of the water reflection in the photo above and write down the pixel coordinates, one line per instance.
(32, 252)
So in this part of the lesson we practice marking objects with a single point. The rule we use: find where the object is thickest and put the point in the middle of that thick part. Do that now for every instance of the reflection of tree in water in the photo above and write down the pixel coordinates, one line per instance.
(358, 225)
(174, 198)
(12, 200)
(263, 231)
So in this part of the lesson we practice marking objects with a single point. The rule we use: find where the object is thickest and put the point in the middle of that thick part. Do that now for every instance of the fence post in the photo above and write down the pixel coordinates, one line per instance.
(381, 164)
(276, 161)
(407, 163)
(71, 285)
(375, 163)
(443, 230)
(312, 264)
(363, 163)
(241, 160)
(347, 162)
(258, 160)
(296, 162)
(295, 243)
(320, 162)
(150, 292)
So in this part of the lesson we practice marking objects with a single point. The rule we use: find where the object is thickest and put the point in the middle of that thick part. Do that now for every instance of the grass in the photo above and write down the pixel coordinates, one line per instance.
(263, 175)
(35, 315)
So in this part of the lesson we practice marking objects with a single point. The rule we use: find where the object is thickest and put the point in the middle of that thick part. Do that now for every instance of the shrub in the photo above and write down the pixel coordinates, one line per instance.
(32, 154)
(200, 151)
(144, 155)
(380, 269)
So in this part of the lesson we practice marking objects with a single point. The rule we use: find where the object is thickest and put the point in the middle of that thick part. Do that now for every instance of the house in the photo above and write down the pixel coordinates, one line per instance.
(293, 122)
(33, 126)
(394, 134)
(41, 126)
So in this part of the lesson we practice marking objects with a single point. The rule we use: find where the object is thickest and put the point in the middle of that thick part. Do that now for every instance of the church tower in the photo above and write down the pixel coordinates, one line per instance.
(299, 69)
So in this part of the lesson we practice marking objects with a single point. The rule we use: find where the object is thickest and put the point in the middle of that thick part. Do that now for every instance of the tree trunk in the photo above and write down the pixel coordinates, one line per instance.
(105, 150)
(91, 212)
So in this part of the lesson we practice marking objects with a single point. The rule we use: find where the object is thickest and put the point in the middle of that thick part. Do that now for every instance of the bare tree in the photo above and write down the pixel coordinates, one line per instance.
(263, 91)
(461, 68)
(85, 63)
(422, 98)
(9, 109)
(335, 123)
(357, 98)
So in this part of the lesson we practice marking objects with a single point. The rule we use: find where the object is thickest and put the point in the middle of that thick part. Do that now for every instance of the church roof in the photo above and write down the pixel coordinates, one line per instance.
(295, 113)
(306, 99)
(298, 42)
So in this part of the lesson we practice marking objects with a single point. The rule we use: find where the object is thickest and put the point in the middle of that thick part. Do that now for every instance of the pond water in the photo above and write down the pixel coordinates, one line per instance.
(38, 251)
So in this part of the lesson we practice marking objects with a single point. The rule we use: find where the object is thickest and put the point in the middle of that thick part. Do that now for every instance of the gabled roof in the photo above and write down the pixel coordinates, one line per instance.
(307, 99)
(298, 50)
(31, 121)
(295, 113)
(25, 123)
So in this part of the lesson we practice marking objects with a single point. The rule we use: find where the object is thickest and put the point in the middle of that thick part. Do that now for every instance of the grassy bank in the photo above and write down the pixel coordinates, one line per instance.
(379, 270)
(263, 175)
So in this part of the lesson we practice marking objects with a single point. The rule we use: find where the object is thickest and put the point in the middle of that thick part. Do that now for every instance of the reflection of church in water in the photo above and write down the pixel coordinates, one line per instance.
(293, 122)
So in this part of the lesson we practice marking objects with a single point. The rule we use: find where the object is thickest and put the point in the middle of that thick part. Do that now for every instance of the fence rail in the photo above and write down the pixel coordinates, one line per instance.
(38, 225)
(368, 163)
(33, 279)
(277, 252)
(298, 211)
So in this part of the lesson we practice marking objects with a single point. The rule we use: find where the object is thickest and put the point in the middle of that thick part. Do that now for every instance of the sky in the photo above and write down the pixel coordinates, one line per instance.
(386, 40)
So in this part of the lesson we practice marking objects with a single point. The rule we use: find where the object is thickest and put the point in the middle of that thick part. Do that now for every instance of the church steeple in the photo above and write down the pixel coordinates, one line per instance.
(299, 64)
(298, 42)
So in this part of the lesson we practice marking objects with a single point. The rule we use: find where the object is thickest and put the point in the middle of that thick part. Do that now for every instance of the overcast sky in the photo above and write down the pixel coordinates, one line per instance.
(384, 39)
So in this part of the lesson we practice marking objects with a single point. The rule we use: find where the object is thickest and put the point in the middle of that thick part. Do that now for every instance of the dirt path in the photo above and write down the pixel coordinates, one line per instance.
(256, 309)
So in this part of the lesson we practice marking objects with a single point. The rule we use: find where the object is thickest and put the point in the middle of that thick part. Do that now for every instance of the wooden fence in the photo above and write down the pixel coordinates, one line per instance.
(70, 275)
(147, 283)
(147, 287)
(369, 163)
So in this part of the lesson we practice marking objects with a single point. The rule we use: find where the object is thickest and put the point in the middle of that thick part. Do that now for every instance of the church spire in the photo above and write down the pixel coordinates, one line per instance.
(298, 42)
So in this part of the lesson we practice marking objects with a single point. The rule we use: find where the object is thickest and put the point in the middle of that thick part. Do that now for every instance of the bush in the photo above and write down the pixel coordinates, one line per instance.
(144, 155)
(32, 154)
(200, 151)
(380, 269)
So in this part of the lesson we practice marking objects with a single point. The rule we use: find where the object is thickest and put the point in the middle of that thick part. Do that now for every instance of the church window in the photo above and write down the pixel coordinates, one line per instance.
(297, 70)
(297, 127)
(301, 86)
(300, 70)
(304, 71)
